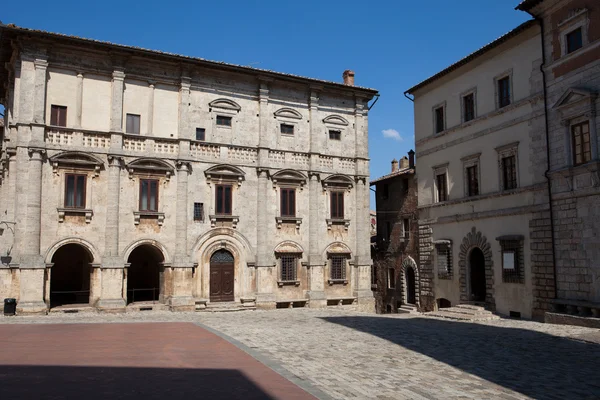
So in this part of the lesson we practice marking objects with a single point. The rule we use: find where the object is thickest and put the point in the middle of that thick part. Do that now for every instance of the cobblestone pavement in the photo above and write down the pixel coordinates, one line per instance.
(351, 355)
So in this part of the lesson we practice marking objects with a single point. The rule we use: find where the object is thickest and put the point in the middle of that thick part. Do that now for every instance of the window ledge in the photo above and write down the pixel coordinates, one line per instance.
(337, 281)
(75, 211)
(337, 221)
(288, 283)
(137, 215)
(288, 220)
(234, 219)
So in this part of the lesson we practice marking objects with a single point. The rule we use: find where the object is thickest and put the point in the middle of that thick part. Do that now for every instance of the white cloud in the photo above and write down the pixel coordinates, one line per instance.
(392, 134)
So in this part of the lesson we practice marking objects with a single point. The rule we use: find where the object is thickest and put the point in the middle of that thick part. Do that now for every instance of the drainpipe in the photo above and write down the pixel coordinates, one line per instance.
(547, 173)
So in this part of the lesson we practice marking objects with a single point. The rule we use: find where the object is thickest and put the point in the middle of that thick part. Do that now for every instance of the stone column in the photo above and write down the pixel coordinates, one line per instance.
(79, 105)
(116, 109)
(363, 263)
(266, 275)
(33, 269)
(184, 100)
(181, 278)
(111, 293)
(39, 102)
(150, 124)
(316, 263)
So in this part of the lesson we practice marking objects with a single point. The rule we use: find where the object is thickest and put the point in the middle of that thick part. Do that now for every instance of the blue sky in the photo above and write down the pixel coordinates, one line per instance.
(391, 45)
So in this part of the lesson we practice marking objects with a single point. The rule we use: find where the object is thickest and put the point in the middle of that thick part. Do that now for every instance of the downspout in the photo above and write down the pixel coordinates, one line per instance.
(547, 173)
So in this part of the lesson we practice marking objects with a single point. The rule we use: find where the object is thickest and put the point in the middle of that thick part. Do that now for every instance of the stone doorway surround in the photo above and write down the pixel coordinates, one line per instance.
(470, 241)
(409, 262)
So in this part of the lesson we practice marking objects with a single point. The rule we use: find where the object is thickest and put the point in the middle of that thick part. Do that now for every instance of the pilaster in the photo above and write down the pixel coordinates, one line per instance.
(116, 109)
(150, 123)
(39, 95)
(111, 232)
(316, 290)
(315, 141)
(34, 203)
(79, 104)
(184, 99)
(263, 104)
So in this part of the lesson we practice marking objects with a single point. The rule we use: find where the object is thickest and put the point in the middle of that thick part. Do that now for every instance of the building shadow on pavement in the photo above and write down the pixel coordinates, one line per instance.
(91, 383)
(532, 363)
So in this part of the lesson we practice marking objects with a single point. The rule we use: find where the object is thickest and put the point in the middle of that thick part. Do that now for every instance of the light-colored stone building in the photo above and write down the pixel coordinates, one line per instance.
(131, 175)
(571, 48)
(484, 225)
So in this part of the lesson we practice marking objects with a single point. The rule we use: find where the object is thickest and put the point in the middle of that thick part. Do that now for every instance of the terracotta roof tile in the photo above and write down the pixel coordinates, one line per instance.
(403, 171)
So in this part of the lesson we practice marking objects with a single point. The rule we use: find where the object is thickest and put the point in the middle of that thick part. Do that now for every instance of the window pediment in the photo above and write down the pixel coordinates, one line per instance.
(223, 172)
(337, 182)
(78, 160)
(150, 166)
(290, 177)
(336, 120)
(288, 113)
(574, 96)
(288, 246)
(225, 104)
(338, 248)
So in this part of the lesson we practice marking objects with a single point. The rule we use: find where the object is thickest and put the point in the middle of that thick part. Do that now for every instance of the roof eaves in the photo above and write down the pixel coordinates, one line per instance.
(527, 5)
(400, 172)
(525, 25)
(220, 64)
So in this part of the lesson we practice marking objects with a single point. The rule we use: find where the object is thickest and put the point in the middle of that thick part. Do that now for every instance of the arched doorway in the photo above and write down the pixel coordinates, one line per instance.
(411, 297)
(477, 275)
(143, 274)
(444, 303)
(70, 275)
(221, 276)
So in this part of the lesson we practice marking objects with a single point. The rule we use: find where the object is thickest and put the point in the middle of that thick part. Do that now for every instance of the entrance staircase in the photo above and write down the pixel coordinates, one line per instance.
(407, 309)
(464, 312)
(228, 306)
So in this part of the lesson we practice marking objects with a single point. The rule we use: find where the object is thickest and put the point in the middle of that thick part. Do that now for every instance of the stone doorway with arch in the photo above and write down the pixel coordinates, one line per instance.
(410, 282)
(476, 270)
(70, 281)
(144, 274)
(222, 276)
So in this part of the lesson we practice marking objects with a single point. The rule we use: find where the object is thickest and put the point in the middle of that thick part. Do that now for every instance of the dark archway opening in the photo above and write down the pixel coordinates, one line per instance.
(70, 275)
(477, 272)
(221, 276)
(143, 274)
(444, 303)
(411, 297)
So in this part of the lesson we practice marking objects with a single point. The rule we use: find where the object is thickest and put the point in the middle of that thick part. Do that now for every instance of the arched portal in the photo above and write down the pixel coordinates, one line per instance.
(221, 276)
(70, 275)
(411, 297)
(143, 274)
(477, 275)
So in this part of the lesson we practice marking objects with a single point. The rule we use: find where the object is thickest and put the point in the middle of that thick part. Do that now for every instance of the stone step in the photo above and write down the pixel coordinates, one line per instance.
(225, 307)
(73, 309)
(407, 309)
(466, 311)
(146, 306)
(459, 316)
(470, 307)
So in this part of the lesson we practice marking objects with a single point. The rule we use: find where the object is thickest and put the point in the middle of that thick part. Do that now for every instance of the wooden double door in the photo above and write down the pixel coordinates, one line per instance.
(222, 276)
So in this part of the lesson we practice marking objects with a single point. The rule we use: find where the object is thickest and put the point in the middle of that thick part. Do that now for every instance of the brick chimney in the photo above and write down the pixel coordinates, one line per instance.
(394, 165)
(348, 76)
(404, 162)
(411, 158)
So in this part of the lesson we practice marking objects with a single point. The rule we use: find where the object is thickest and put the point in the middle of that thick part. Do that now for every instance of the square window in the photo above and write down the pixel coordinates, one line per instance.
(75, 191)
(468, 107)
(439, 119)
(337, 204)
(201, 134)
(391, 278)
(338, 267)
(574, 40)
(503, 92)
(58, 115)
(582, 151)
(199, 212)
(223, 120)
(133, 124)
(289, 267)
(223, 199)
(472, 181)
(442, 188)
(287, 129)
(335, 135)
(149, 195)
(288, 202)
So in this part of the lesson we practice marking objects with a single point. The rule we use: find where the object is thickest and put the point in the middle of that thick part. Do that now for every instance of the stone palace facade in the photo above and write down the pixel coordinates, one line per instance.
(135, 177)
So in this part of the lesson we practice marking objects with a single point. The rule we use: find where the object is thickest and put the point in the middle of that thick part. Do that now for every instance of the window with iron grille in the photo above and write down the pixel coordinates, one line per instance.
(337, 204)
(199, 212)
(287, 129)
(469, 107)
(58, 115)
(289, 267)
(335, 135)
(503, 92)
(338, 268)
(148, 195)
(75, 191)
(288, 202)
(391, 278)
(509, 172)
(223, 120)
(444, 261)
(574, 40)
(132, 124)
(442, 189)
(472, 181)
(201, 134)
(582, 151)
(512, 261)
(439, 119)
